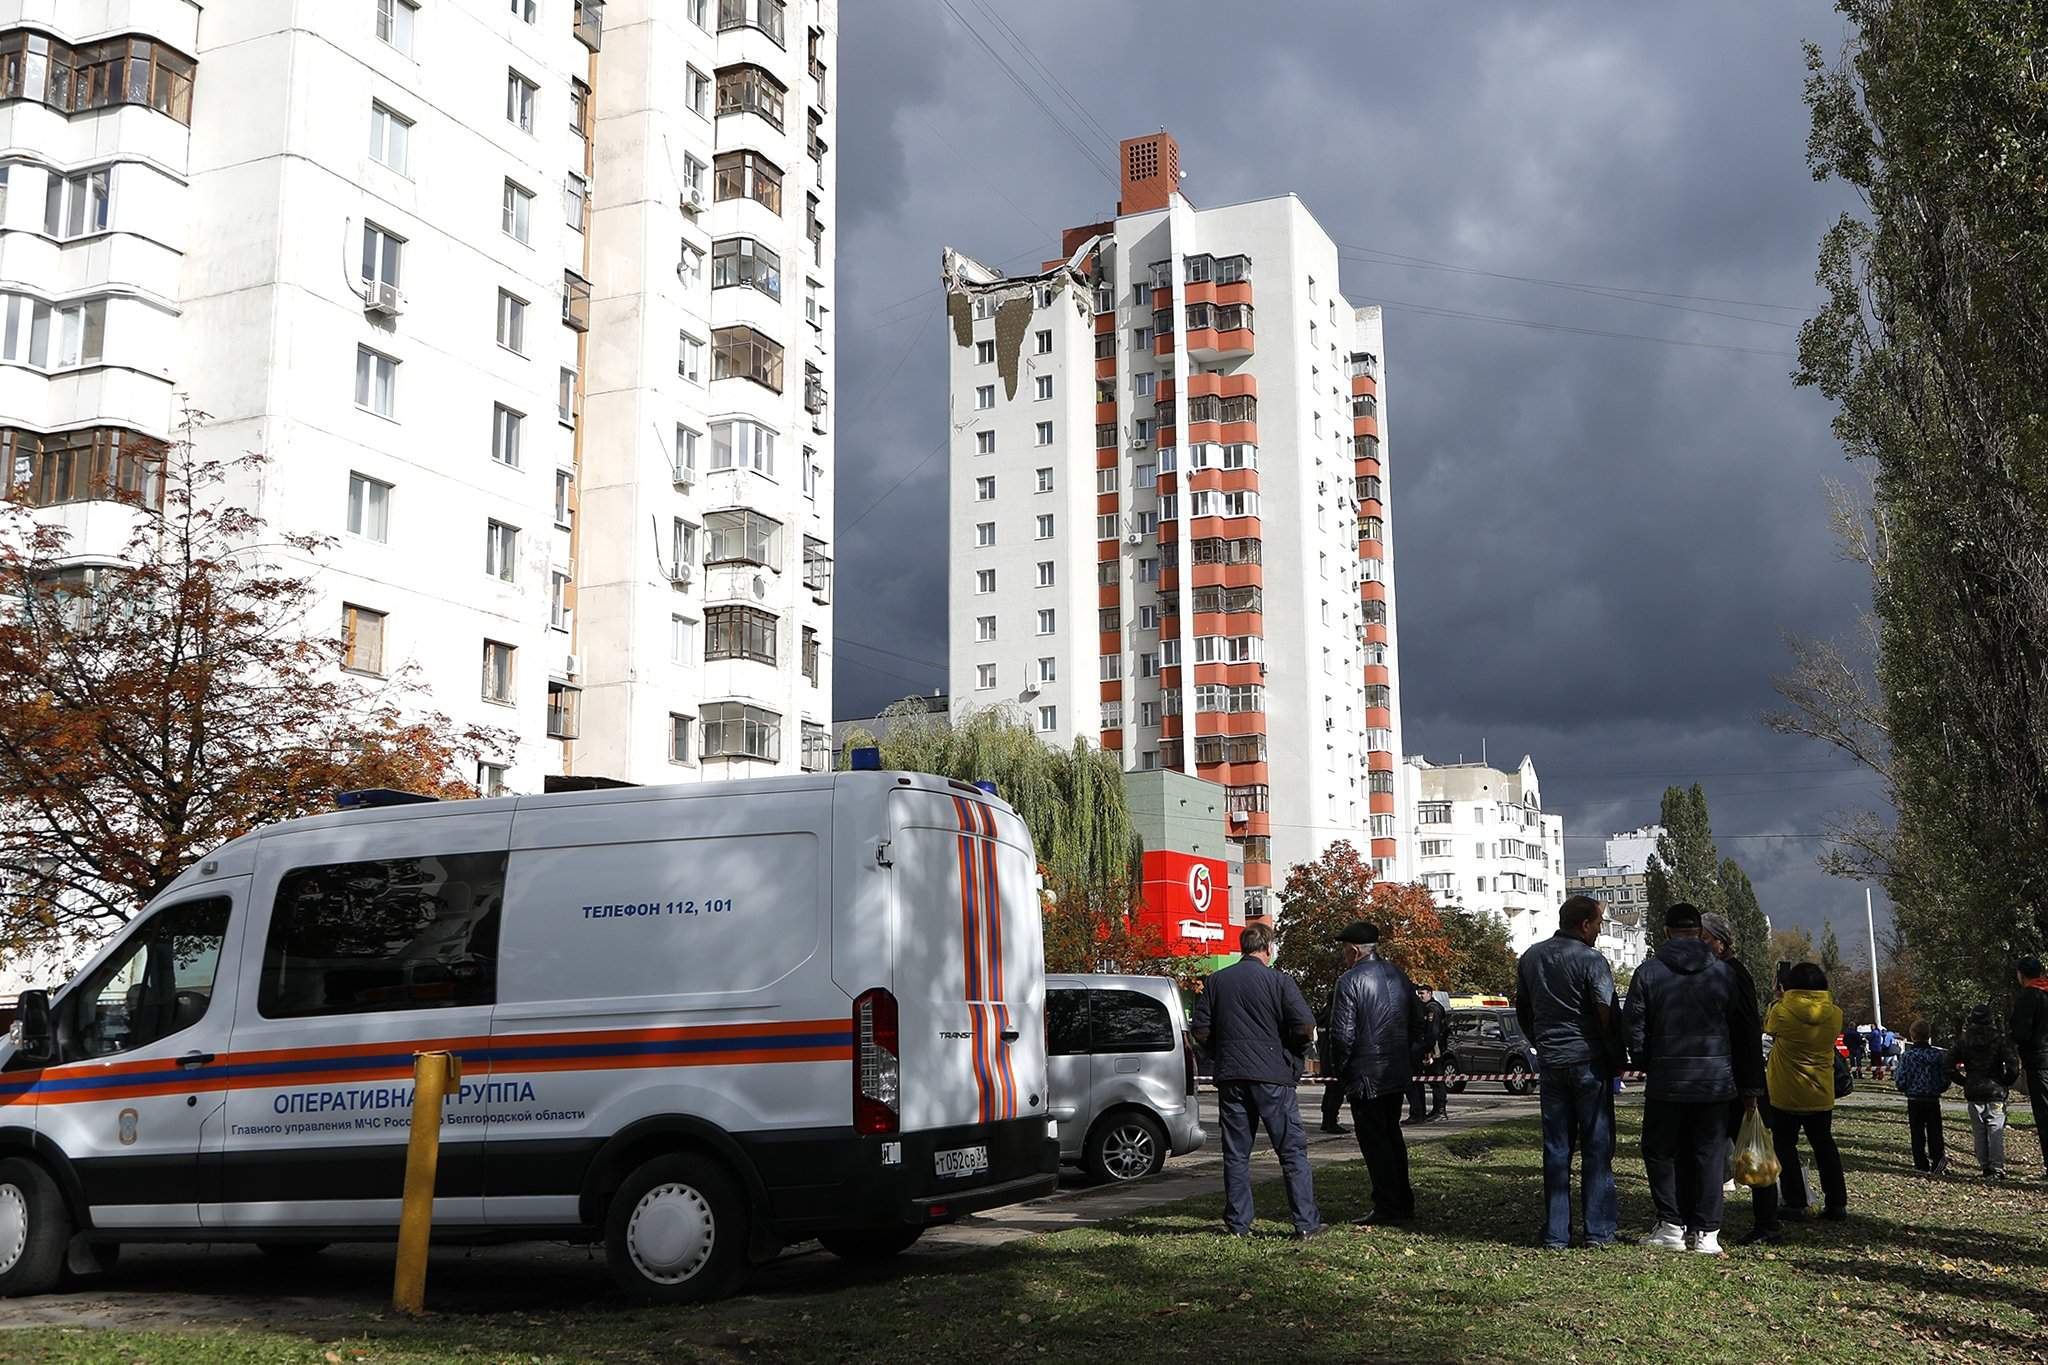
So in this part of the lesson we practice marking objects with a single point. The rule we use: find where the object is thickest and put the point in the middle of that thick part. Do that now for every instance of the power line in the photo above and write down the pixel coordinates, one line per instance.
(1617, 289)
(1094, 124)
(1587, 290)
(1034, 96)
(914, 470)
(906, 658)
(1433, 310)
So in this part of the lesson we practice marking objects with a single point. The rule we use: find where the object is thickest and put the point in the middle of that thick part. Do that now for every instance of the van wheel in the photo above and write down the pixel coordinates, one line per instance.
(870, 1244)
(1517, 1082)
(291, 1251)
(35, 1228)
(676, 1232)
(1126, 1146)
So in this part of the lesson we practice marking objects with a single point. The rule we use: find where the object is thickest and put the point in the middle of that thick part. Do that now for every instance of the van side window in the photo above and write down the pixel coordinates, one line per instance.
(1126, 1021)
(158, 983)
(399, 934)
(1066, 1023)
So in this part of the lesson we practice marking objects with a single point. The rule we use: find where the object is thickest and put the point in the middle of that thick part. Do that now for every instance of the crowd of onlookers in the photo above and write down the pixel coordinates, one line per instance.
(1689, 1022)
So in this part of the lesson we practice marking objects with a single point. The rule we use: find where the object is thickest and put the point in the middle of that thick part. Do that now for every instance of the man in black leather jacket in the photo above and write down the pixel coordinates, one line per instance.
(1378, 1024)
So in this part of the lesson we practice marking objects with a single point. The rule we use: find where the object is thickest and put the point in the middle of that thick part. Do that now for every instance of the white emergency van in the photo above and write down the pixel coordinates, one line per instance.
(695, 1023)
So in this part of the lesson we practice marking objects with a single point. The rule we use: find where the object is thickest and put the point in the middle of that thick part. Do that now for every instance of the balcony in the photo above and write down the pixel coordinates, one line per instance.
(575, 301)
(814, 390)
(590, 23)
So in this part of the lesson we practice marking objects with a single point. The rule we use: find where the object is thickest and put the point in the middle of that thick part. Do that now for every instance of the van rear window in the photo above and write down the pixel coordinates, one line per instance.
(395, 934)
(1125, 1021)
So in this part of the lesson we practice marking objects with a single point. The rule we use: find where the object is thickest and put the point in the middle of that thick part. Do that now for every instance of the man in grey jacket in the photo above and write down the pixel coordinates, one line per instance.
(1378, 1023)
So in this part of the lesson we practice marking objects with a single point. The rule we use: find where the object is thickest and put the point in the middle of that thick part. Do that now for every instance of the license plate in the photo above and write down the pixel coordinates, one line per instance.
(961, 1161)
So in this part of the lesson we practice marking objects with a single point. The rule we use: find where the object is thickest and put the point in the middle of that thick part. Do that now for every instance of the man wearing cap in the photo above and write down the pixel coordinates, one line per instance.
(1254, 1022)
(1435, 1028)
(1379, 1026)
(1684, 1007)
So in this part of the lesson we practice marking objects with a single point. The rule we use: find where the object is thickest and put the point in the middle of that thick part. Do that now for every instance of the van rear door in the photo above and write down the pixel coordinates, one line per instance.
(970, 961)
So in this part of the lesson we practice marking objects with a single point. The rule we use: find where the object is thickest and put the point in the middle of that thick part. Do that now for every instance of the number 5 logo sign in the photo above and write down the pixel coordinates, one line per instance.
(1200, 888)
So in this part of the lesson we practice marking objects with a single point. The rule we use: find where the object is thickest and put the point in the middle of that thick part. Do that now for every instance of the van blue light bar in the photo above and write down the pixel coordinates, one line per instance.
(867, 760)
(373, 798)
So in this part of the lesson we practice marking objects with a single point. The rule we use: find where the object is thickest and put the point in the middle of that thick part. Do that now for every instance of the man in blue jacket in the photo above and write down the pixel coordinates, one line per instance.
(1684, 1007)
(1379, 1026)
(1255, 1024)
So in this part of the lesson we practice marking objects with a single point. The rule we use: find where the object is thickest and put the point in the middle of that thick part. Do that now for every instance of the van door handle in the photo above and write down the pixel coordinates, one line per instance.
(1011, 1035)
(192, 1059)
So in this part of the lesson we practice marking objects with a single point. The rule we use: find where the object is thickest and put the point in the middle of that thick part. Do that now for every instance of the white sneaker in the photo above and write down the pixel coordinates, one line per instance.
(1707, 1243)
(1666, 1237)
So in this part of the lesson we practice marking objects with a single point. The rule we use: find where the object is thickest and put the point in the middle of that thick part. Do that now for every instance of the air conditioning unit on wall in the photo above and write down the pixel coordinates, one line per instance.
(384, 301)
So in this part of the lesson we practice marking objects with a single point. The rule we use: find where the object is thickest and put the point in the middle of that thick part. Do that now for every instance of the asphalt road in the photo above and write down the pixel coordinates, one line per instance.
(165, 1286)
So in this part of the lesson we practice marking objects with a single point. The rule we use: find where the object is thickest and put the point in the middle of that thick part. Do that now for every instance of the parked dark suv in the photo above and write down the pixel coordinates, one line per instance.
(1489, 1042)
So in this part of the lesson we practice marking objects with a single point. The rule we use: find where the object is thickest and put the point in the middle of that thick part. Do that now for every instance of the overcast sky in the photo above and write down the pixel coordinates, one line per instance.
(1599, 540)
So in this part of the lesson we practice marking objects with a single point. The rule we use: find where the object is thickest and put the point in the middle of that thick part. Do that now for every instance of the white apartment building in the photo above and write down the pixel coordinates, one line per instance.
(1632, 849)
(1168, 459)
(526, 302)
(1483, 843)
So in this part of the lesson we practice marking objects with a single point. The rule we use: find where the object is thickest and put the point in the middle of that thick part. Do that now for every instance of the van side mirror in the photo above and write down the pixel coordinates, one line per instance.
(32, 1027)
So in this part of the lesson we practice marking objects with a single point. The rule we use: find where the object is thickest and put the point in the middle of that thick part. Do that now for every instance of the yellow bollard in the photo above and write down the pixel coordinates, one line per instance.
(434, 1076)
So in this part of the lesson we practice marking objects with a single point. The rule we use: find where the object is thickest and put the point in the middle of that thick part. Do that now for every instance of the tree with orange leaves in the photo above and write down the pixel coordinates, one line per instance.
(1323, 896)
(158, 706)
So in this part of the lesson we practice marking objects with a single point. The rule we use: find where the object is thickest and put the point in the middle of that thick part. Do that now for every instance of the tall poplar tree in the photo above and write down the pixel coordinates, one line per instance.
(1686, 866)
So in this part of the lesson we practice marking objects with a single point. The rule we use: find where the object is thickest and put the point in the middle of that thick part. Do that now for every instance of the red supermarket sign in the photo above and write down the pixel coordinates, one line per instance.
(1186, 899)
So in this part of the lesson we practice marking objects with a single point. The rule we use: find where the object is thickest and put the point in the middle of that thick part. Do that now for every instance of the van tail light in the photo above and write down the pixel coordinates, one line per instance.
(877, 1066)
(1187, 1052)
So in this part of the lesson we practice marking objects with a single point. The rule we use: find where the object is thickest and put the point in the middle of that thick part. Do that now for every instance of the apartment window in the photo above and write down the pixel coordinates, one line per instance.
(498, 671)
(1045, 479)
(1048, 620)
(511, 322)
(579, 108)
(814, 474)
(519, 93)
(1109, 667)
(749, 89)
(690, 357)
(682, 549)
(1105, 480)
(984, 581)
(76, 205)
(747, 175)
(565, 497)
(694, 172)
(1148, 618)
(1048, 719)
(47, 336)
(1142, 383)
(685, 471)
(984, 353)
(1105, 346)
(1106, 526)
(1105, 435)
(700, 92)
(984, 676)
(382, 254)
(362, 639)
(814, 304)
(682, 639)
(565, 396)
(984, 443)
(678, 738)
(490, 779)
(376, 382)
(985, 488)
(984, 629)
(575, 301)
(984, 396)
(984, 534)
(563, 707)
(1141, 338)
(1045, 433)
(743, 353)
(1147, 523)
(743, 263)
(575, 201)
(1148, 711)
(1433, 813)
(741, 444)
(1112, 715)
(1148, 570)
(1145, 476)
(740, 633)
(1043, 386)
(369, 508)
(501, 551)
(516, 217)
(507, 427)
(741, 535)
(558, 600)
(1043, 342)
(394, 24)
(1046, 572)
(390, 138)
(1045, 525)
(525, 9)
(1048, 669)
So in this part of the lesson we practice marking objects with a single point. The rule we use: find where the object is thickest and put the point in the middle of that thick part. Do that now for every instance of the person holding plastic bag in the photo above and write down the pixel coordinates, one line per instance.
(1803, 1023)
(1749, 1114)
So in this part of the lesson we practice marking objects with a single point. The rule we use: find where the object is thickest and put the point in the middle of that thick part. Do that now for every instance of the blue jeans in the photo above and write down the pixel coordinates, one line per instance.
(1244, 1105)
(1578, 1114)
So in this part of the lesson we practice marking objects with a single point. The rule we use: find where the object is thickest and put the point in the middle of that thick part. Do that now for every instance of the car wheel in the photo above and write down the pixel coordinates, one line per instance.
(291, 1251)
(676, 1231)
(35, 1228)
(1126, 1146)
(1451, 1068)
(870, 1244)
(1518, 1081)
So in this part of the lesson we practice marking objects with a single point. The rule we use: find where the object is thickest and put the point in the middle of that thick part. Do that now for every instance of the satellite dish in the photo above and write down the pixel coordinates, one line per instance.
(760, 587)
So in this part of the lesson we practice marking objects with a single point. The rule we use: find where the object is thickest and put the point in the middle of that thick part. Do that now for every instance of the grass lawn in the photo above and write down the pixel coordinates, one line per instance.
(1924, 1269)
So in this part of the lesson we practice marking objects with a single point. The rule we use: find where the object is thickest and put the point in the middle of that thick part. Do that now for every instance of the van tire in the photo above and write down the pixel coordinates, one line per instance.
(1126, 1145)
(35, 1229)
(870, 1244)
(676, 1231)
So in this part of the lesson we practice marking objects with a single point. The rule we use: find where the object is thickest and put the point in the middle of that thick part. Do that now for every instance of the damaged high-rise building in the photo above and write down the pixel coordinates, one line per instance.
(1170, 528)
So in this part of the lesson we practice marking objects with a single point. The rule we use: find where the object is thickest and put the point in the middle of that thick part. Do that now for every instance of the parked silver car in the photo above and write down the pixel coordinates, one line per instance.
(1121, 1071)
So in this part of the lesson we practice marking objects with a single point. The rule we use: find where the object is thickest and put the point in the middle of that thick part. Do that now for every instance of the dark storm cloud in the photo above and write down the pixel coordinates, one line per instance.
(1599, 541)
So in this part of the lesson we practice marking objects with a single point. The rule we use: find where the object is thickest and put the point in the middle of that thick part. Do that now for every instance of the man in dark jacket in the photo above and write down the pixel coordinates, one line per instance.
(2029, 1033)
(1255, 1024)
(1436, 1029)
(1683, 1010)
(1564, 999)
(1332, 1069)
(1378, 1023)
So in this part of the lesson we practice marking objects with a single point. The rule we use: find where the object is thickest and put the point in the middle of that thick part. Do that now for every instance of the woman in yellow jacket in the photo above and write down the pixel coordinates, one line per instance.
(1804, 1022)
